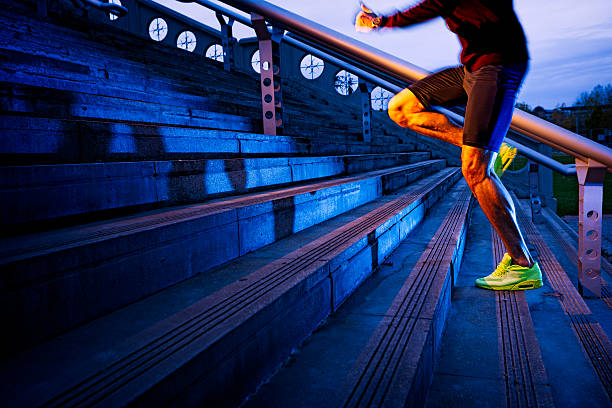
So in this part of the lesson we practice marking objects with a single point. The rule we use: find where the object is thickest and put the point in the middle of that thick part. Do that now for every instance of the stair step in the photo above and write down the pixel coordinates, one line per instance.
(523, 370)
(82, 78)
(396, 367)
(30, 72)
(31, 140)
(72, 271)
(593, 339)
(531, 356)
(55, 101)
(215, 340)
(27, 191)
(315, 373)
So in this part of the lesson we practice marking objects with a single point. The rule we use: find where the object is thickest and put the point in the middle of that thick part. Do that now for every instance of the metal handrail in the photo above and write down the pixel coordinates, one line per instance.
(394, 86)
(112, 8)
(374, 60)
(565, 169)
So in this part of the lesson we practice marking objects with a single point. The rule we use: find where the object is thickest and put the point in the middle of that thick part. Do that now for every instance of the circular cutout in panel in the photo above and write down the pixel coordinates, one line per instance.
(112, 16)
(591, 253)
(380, 98)
(158, 29)
(215, 52)
(592, 215)
(186, 40)
(346, 83)
(592, 235)
(311, 66)
(256, 62)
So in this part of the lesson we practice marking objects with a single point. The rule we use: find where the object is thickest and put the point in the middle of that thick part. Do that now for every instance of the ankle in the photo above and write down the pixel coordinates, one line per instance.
(525, 263)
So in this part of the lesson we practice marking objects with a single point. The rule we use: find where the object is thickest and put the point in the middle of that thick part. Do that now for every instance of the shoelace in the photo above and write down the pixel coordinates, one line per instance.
(500, 270)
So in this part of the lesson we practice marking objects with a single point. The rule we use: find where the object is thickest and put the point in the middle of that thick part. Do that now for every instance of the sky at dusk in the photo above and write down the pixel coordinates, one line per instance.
(570, 42)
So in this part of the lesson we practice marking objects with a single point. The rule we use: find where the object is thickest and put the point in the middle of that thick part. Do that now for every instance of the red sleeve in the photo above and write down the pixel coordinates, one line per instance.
(425, 10)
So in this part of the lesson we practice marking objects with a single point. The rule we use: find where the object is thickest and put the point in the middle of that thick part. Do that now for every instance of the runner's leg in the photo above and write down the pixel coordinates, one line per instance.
(410, 108)
(492, 91)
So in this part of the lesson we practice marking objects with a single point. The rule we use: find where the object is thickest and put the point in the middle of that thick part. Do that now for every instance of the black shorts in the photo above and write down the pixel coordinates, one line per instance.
(488, 94)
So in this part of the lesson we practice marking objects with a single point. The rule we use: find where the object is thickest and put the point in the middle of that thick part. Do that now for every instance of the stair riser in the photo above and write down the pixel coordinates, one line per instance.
(232, 368)
(61, 141)
(423, 357)
(49, 102)
(396, 366)
(72, 286)
(44, 192)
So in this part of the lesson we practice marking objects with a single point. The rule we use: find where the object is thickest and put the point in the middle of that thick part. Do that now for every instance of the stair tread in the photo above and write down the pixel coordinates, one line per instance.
(17, 248)
(472, 331)
(82, 349)
(314, 374)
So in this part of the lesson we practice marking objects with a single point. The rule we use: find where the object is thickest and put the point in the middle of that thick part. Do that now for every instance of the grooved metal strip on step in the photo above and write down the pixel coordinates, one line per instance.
(212, 312)
(525, 379)
(98, 233)
(593, 339)
(377, 368)
(572, 254)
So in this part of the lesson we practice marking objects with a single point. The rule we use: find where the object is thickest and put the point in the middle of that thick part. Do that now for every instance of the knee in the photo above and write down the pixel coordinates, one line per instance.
(475, 167)
(402, 105)
(397, 116)
(473, 175)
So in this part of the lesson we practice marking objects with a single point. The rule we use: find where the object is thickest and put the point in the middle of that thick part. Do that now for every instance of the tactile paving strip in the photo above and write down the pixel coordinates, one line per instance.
(378, 368)
(521, 364)
(593, 339)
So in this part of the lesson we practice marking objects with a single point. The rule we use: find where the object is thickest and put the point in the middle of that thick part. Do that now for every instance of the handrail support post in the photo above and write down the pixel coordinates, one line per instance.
(366, 109)
(534, 193)
(591, 176)
(227, 41)
(269, 57)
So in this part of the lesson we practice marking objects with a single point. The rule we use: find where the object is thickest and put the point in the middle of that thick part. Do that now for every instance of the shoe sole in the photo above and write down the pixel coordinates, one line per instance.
(524, 285)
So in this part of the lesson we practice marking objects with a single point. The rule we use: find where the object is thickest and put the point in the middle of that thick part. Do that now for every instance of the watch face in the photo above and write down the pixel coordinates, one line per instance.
(376, 21)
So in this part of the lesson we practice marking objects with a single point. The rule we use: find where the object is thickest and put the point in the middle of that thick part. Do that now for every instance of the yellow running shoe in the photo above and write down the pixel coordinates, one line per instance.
(504, 158)
(512, 277)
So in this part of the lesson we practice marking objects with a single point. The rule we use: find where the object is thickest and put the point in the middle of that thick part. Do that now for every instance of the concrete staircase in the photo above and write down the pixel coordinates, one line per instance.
(157, 249)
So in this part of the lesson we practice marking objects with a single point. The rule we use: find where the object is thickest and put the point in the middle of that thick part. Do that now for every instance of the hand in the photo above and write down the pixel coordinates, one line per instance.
(367, 20)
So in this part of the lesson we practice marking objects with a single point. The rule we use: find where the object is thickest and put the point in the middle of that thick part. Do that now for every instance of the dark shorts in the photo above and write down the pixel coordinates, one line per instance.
(487, 93)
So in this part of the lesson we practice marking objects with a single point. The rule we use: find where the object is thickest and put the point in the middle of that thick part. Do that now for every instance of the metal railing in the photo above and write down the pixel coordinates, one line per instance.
(592, 159)
(112, 8)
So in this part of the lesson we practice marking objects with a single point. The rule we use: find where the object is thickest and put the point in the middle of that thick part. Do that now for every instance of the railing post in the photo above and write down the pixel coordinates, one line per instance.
(534, 196)
(227, 40)
(269, 56)
(546, 180)
(591, 176)
(366, 109)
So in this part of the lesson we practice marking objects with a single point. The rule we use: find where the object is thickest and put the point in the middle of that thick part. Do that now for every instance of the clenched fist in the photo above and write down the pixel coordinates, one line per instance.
(367, 20)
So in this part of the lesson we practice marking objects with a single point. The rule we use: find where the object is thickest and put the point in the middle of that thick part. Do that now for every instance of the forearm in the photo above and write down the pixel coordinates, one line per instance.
(425, 10)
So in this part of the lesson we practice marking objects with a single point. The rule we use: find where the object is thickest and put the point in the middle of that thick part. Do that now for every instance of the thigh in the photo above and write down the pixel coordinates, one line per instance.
(443, 88)
(491, 94)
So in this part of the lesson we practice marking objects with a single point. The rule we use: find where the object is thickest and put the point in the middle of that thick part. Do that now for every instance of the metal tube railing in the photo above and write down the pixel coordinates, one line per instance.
(592, 159)
(372, 58)
(394, 86)
(565, 169)
(111, 8)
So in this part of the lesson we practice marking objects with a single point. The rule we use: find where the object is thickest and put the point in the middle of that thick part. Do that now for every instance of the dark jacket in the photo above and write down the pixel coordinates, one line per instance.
(488, 30)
